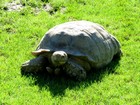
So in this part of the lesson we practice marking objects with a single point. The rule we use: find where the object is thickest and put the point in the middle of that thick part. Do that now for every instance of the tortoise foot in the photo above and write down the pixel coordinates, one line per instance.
(75, 70)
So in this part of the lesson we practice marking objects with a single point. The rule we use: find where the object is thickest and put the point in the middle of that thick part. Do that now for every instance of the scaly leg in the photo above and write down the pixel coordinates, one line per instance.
(34, 65)
(74, 70)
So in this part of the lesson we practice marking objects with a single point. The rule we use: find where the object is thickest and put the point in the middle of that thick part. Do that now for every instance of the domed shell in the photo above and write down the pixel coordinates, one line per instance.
(81, 39)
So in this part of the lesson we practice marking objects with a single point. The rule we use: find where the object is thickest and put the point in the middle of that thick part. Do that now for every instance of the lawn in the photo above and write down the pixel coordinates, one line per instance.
(22, 28)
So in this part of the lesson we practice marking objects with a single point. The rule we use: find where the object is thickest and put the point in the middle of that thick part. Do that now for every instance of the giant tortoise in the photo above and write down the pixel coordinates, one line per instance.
(74, 48)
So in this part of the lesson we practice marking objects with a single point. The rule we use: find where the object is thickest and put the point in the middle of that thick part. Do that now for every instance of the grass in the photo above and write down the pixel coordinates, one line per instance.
(21, 31)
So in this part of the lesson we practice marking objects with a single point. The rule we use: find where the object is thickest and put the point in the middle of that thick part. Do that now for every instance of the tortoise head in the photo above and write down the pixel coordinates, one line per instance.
(59, 58)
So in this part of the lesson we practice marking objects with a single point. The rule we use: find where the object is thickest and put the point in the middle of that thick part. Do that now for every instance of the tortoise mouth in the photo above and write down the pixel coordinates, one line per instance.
(58, 63)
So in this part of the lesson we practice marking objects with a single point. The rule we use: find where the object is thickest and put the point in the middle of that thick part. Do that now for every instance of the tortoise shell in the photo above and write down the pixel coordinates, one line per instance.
(81, 39)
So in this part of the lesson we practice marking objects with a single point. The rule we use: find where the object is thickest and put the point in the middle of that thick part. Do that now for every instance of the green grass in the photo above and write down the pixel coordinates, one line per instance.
(20, 32)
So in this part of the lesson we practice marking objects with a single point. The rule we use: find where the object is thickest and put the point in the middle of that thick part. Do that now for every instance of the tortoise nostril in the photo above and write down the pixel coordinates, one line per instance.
(63, 56)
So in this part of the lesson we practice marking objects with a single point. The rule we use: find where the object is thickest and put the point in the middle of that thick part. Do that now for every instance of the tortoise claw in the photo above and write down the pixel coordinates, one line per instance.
(49, 70)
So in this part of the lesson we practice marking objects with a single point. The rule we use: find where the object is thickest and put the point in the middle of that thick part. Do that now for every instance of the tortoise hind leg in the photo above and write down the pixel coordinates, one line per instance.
(118, 55)
(34, 65)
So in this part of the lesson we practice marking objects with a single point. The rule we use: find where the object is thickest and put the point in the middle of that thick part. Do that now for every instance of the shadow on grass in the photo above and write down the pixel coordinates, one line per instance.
(58, 84)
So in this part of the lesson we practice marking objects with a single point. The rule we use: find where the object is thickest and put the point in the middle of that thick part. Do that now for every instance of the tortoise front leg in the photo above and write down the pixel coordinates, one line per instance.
(34, 65)
(74, 70)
